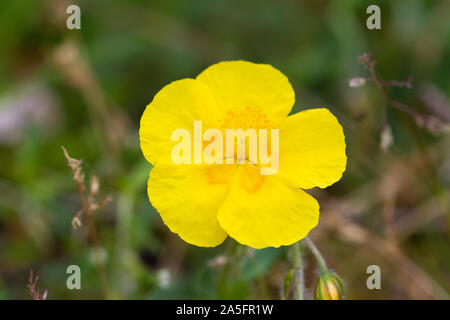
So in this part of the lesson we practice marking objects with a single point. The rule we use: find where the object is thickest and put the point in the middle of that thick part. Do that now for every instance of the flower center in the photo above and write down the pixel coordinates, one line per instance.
(245, 118)
(247, 176)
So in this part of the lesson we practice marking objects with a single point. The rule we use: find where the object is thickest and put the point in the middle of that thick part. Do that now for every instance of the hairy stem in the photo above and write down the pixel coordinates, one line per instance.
(299, 273)
(317, 255)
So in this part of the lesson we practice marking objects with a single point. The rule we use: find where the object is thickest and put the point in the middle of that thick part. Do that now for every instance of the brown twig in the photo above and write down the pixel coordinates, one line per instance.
(431, 123)
(88, 206)
(426, 287)
(33, 288)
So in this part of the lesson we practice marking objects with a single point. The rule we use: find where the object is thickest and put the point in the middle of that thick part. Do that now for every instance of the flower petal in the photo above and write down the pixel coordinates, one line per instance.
(188, 197)
(176, 106)
(261, 211)
(312, 149)
(241, 84)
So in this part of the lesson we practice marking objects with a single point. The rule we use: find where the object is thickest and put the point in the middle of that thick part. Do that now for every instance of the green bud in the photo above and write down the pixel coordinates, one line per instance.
(287, 282)
(329, 287)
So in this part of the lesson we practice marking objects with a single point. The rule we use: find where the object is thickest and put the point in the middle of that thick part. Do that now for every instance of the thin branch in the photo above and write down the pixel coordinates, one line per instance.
(88, 206)
(431, 123)
(33, 288)
(414, 275)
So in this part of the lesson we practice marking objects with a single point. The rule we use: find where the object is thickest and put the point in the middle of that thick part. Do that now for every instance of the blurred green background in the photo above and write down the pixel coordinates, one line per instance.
(86, 89)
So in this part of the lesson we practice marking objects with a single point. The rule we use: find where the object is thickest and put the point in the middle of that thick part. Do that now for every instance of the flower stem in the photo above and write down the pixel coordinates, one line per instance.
(298, 265)
(223, 278)
(319, 258)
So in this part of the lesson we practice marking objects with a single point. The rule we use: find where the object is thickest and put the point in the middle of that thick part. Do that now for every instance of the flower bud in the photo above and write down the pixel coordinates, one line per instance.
(95, 184)
(329, 287)
(356, 82)
(386, 138)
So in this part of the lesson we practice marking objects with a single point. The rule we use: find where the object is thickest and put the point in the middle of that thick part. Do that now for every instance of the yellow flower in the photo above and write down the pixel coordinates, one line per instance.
(203, 203)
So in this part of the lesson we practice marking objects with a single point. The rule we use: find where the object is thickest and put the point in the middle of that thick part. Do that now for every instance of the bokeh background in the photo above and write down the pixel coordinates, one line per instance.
(86, 90)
